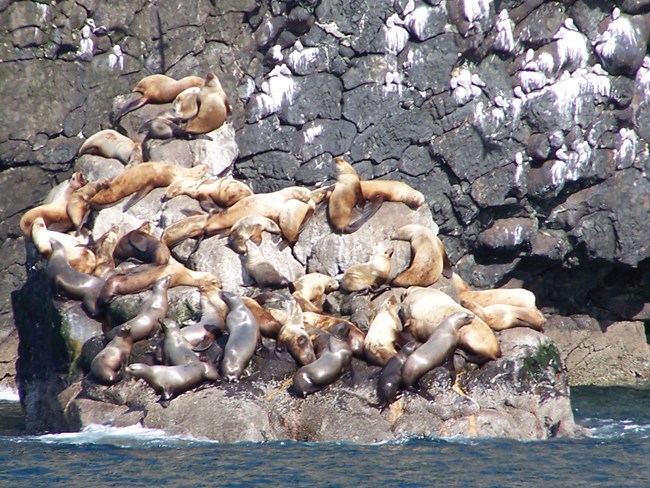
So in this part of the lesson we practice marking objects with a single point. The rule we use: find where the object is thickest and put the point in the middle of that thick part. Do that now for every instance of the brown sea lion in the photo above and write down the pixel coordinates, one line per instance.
(424, 308)
(428, 256)
(381, 337)
(243, 338)
(369, 275)
(436, 349)
(157, 89)
(171, 381)
(54, 213)
(329, 367)
(356, 336)
(139, 244)
(108, 366)
(103, 248)
(310, 290)
(213, 108)
(154, 308)
(501, 316)
(140, 179)
(389, 380)
(261, 270)
(211, 192)
(111, 144)
(294, 337)
(80, 257)
(78, 205)
(250, 227)
(263, 204)
(345, 196)
(269, 325)
(391, 191)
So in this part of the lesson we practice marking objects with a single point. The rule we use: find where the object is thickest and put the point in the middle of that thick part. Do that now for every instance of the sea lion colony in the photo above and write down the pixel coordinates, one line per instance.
(415, 329)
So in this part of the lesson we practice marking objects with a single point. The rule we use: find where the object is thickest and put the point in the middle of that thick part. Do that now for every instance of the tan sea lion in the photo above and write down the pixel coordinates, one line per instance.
(391, 191)
(369, 275)
(356, 336)
(428, 257)
(293, 217)
(140, 179)
(261, 270)
(329, 367)
(80, 257)
(54, 213)
(518, 297)
(157, 89)
(250, 227)
(171, 381)
(154, 308)
(390, 379)
(139, 244)
(294, 337)
(103, 248)
(243, 338)
(436, 349)
(263, 204)
(185, 106)
(78, 205)
(424, 308)
(310, 289)
(108, 365)
(501, 316)
(381, 337)
(111, 144)
(213, 108)
(211, 192)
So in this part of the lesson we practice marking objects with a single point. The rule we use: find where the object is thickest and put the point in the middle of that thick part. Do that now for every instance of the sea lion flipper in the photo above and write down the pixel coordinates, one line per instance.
(208, 204)
(447, 267)
(368, 211)
(130, 106)
(139, 195)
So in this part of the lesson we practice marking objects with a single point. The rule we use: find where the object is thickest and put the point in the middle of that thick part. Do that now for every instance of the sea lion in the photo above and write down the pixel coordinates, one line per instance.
(263, 204)
(381, 337)
(390, 378)
(211, 192)
(108, 365)
(142, 246)
(157, 89)
(103, 248)
(111, 144)
(269, 325)
(428, 256)
(142, 277)
(213, 108)
(78, 205)
(185, 106)
(80, 257)
(518, 297)
(294, 337)
(436, 349)
(293, 218)
(261, 270)
(176, 349)
(153, 309)
(345, 196)
(250, 227)
(369, 275)
(171, 381)
(334, 361)
(424, 308)
(501, 316)
(391, 191)
(140, 179)
(66, 281)
(309, 290)
(243, 338)
(54, 213)
(356, 336)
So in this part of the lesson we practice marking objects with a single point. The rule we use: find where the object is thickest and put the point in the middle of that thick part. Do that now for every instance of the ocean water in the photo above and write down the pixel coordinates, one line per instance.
(615, 455)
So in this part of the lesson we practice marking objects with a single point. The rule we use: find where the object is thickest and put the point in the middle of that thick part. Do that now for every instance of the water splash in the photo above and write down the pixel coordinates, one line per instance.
(9, 394)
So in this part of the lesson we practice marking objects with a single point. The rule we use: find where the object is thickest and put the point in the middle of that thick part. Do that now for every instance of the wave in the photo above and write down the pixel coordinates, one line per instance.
(612, 429)
(9, 394)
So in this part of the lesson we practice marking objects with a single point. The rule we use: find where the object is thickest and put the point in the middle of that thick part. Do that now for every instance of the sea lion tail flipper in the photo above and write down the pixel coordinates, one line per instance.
(208, 204)
(139, 195)
(369, 210)
(447, 267)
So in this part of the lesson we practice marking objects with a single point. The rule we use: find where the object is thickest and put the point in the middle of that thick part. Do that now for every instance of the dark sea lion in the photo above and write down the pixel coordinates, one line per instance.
(111, 144)
(250, 228)
(428, 257)
(261, 270)
(332, 363)
(154, 308)
(243, 338)
(76, 248)
(141, 245)
(382, 335)
(157, 89)
(107, 367)
(171, 381)
(436, 349)
(391, 191)
(369, 275)
(390, 379)
(294, 337)
(310, 290)
(213, 108)
(140, 179)
(176, 349)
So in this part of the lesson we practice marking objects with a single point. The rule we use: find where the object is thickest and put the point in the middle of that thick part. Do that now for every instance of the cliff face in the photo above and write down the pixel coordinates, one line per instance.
(524, 123)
